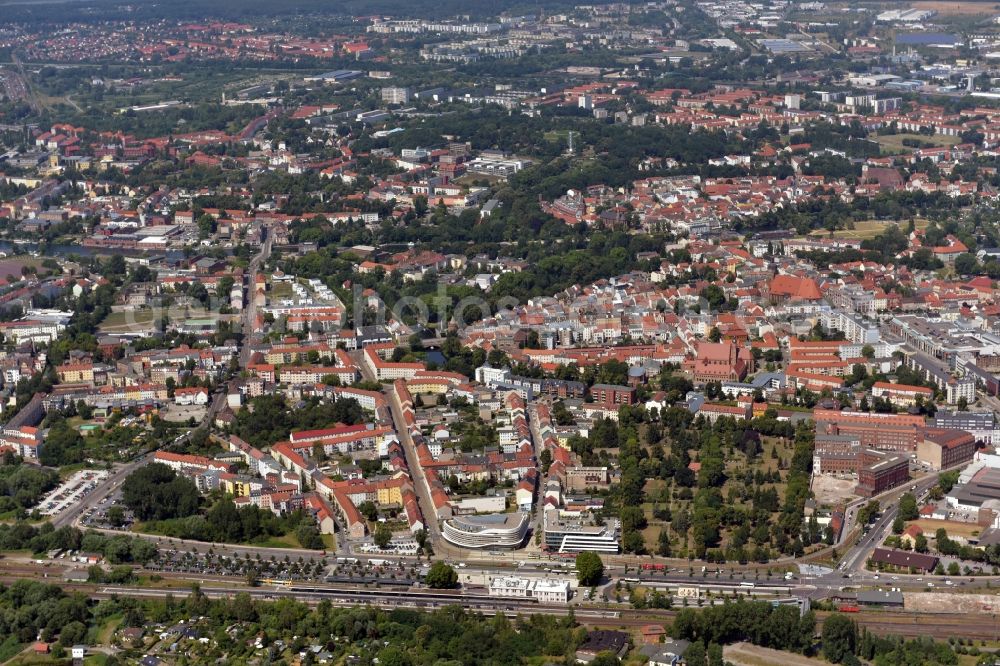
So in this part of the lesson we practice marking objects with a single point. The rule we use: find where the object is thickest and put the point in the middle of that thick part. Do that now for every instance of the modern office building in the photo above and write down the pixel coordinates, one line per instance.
(575, 532)
(495, 530)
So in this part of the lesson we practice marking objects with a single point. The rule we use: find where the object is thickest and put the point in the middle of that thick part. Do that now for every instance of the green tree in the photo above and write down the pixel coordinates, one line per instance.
(695, 654)
(382, 536)
(663, 543)
(309, 537)
(715, 655)
(368, 510)
(85, 411)
(441, 576)
(898, 524)
(606, 658)
(840, 638)
(394, 656)
(589, 568)
(156, 492)
(421, 538)
(908, 507)
(966, 264)
(116, 515)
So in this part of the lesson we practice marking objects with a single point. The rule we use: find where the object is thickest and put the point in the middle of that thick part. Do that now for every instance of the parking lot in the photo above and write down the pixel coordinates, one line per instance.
(97, 516)
(177, 560)
(394, 548)
(71, 492)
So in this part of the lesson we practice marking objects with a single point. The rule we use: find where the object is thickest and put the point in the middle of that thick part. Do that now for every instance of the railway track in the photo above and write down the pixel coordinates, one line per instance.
(909, 624)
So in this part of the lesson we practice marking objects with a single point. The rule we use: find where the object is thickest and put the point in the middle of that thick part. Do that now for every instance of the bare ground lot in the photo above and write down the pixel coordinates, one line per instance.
(954, 528)
(178, 413)
(942, 602)
(13, 266)
(952, 7)
(832, 490)
(745, 654)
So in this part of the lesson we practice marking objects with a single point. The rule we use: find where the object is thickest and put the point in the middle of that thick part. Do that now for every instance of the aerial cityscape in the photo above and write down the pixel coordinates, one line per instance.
(378, 333)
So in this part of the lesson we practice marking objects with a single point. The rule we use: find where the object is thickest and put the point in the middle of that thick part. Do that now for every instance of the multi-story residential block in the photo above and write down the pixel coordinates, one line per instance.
(901, 394)
(396, 95)
(613, 395)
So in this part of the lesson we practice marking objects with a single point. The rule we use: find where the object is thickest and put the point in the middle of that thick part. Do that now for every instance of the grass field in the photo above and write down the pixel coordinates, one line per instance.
(28, 657)
(866, 229)
(125, 321)
(9, 648)
(107, 630)
(281, 290)
(67, 471)
(472, 178)
(892, 144)
(165, 583)
(287, 541)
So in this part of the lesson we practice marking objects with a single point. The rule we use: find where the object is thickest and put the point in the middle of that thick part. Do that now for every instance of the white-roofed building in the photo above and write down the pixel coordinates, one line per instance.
(545, 591)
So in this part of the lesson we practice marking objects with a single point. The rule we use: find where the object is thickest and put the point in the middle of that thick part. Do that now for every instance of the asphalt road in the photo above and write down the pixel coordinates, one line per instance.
(419, 478)
(250, 310)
